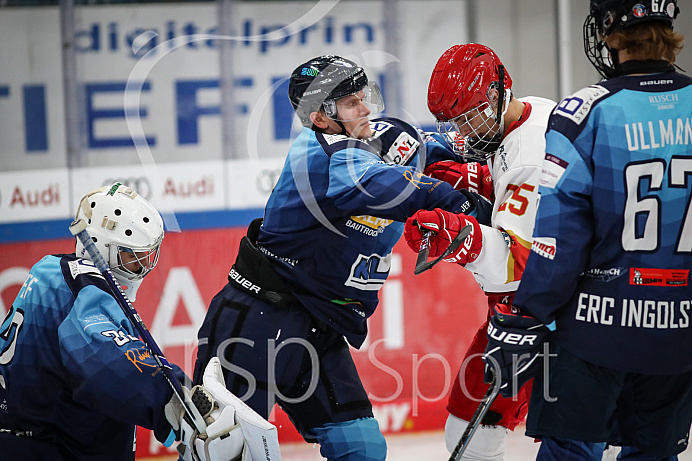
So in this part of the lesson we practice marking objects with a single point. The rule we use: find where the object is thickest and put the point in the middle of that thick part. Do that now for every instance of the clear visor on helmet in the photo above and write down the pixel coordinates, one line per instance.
(480, 130)
(134, 263)
(348, 108)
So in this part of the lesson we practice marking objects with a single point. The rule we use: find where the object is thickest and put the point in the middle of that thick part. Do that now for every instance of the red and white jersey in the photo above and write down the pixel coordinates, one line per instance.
(516, 169)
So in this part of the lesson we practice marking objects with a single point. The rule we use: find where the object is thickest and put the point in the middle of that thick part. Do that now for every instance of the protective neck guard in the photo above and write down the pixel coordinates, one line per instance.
(645, 67)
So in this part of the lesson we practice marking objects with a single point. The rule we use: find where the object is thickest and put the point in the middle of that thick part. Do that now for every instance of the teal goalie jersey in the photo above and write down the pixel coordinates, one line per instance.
(75, 379)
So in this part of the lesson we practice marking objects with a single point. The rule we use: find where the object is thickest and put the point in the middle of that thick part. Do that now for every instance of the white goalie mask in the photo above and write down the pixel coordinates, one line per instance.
(126, 229)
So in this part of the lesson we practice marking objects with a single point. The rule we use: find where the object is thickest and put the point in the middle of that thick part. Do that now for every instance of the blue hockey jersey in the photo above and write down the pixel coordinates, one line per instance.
(339, 207)
(74, 377)
(612, 249)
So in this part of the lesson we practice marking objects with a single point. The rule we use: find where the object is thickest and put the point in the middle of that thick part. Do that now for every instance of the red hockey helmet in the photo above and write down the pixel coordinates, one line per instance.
(461, 82)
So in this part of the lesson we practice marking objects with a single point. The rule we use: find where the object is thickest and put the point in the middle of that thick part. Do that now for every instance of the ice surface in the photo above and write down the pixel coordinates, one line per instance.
(429, 446)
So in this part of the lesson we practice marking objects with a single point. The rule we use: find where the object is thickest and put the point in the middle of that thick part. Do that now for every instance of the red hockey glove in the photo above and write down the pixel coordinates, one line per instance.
(515, 344)
(472, 176)
(445, 226)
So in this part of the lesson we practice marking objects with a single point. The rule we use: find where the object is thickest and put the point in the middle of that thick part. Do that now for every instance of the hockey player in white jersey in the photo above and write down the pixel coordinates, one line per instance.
(470, 92)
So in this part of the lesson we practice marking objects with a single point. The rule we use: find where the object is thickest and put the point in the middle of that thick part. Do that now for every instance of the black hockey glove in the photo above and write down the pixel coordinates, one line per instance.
(515, 343)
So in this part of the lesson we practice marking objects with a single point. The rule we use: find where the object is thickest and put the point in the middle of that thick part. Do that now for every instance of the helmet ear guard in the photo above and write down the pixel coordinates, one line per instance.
(121, 222)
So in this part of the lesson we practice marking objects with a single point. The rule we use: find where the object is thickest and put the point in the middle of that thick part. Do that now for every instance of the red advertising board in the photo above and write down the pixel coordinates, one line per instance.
(417, 337)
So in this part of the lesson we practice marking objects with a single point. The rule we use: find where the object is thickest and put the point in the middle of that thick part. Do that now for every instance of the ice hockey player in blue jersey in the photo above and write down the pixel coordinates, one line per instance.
(74, 377)
(306, 278)
(608, 279)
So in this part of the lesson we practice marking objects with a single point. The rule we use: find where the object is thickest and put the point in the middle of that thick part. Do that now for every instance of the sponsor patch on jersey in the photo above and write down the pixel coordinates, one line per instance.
(544, 246)
(97, 318)
(369, 272)
(655, 82)
(355, 306)
(501, 157)
(604, 275)
(334, 138)
(83, 266)
(379, 127)
(552, 170)
(577, 106)
(659, 277)
(369, 225)
(141, 357)
(664, 101)
(402, 150)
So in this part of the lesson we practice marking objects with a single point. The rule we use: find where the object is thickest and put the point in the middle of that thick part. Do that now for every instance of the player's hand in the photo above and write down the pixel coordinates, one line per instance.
(515, 345)
(471, 176)
(445, 226)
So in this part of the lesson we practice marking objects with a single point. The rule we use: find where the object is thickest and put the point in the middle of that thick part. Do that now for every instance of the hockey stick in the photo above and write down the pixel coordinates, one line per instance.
(422, 259)
(422, 263)
(486, 401)
(78, 229)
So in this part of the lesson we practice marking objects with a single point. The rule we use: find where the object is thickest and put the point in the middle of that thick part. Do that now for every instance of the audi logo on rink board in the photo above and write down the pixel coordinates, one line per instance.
(140, 184)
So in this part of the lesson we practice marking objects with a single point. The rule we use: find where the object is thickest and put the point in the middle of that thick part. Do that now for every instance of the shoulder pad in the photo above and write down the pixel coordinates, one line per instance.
(332, 143)
(570, 115)
(79, 273)
(396, 141)
(577, 107)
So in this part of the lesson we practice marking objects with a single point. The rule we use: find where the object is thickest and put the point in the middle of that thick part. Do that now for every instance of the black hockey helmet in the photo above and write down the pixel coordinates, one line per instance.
(321, 81)
(608, 16)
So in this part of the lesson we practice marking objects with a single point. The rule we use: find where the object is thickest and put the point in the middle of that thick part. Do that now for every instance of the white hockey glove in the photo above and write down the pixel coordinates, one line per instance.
(234, 431)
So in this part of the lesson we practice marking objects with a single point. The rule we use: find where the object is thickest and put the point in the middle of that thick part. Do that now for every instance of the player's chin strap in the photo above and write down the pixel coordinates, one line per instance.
(504, 95)
(341, 125)
(324, 130)
(500, 112)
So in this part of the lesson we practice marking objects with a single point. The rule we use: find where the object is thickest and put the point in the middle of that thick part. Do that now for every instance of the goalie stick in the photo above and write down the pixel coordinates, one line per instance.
(422, 263)
(477, 418)
(78, 229)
